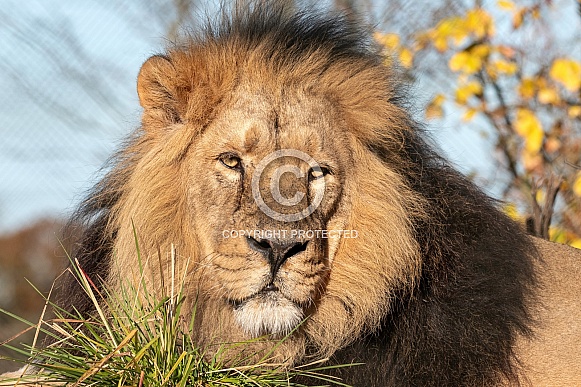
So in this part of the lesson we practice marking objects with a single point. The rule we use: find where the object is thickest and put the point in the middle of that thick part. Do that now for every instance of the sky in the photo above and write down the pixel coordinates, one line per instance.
(55, 134)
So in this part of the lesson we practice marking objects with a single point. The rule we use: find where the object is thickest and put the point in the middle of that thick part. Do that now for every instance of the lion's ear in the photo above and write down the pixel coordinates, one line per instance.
(157, 89)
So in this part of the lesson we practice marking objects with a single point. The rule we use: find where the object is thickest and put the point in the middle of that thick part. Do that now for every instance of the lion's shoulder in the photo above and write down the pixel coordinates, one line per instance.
(552, 355)
(559, 272)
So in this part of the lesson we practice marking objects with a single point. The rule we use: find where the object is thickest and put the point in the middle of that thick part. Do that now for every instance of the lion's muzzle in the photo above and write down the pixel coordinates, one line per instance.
(276, 251)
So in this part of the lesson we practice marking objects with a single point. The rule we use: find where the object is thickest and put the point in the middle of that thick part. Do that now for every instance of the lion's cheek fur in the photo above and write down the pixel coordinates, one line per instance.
(355, 298)
(149, 217)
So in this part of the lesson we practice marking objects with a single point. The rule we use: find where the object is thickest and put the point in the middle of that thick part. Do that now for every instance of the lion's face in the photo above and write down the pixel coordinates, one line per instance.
(266, 181)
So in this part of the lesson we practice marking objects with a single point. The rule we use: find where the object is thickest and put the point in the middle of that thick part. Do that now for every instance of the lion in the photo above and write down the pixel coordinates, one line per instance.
(278, 154)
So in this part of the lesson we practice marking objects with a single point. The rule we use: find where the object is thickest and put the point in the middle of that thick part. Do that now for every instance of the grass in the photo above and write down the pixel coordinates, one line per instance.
(136, 340)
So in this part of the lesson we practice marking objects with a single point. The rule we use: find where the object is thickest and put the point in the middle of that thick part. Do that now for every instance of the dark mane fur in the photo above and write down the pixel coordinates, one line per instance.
(459, 325)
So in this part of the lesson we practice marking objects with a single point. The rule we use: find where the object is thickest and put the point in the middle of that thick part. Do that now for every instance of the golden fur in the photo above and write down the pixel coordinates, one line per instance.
(212, 87)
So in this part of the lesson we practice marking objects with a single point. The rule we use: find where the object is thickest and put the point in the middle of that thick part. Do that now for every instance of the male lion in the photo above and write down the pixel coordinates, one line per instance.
(277, 153)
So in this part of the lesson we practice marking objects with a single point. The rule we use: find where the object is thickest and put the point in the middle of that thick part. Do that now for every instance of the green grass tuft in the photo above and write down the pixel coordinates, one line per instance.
(136, 340)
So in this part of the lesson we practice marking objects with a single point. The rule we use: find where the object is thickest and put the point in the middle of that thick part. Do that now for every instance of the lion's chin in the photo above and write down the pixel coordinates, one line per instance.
(268, 313)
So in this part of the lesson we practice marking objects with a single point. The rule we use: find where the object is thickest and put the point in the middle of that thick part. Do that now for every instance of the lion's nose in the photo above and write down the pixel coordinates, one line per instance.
(276, 251)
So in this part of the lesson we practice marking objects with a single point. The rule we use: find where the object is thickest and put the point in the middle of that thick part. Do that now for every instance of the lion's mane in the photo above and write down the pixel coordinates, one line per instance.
(436, 288)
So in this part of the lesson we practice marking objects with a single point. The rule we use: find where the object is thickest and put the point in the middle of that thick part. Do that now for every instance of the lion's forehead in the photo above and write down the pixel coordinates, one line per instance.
(255, 120)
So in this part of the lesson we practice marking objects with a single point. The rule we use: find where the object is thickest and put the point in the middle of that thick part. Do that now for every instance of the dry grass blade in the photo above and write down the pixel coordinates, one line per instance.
(137, 340)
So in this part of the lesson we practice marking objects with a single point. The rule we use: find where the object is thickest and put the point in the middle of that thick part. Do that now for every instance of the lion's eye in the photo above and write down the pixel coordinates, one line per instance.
(230, 161)
(318, 172)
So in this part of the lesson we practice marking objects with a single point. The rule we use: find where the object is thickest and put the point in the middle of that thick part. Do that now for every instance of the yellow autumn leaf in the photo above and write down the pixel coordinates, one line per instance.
(451, 28)
(552, 145)
(479, 23)
(576, 243)
(548, 95)
(532, 161)
(534, 141)
(574, 111)
(441, 43)
(469, 115)
(504, 67)
(389, 41)
(406, 57)
(464, 92)
(447, 26)
(465, 62)
(518, 18)
(540, 196)
(558, 235)
(554, 233)
(506, 5)
(567, 72)
(458, 61)
(528, 126)
(434, 108)
(526, 122)
(480, 50)
(527, 88)
(439, 99)
(506, 51)
(577, 185)
(500, 67)
(511, 211)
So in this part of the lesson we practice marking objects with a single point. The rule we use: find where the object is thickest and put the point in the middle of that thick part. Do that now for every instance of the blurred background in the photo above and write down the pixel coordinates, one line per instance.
(497, 83)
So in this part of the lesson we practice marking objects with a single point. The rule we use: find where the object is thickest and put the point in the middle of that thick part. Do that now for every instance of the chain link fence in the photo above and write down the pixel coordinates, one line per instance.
(67, 98)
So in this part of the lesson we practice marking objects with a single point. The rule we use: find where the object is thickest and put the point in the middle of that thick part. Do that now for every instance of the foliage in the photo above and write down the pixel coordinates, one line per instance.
(529, 103)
